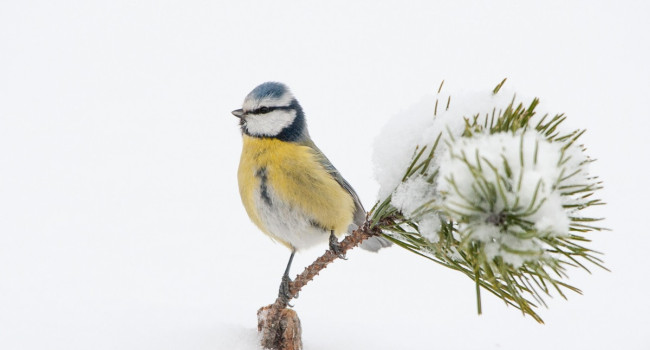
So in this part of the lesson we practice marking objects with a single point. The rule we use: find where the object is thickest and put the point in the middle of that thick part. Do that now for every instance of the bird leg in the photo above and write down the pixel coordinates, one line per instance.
(285, 289)
(335, 246)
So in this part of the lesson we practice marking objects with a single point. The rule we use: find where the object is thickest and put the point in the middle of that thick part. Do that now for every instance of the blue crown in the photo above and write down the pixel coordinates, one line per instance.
(269, 89)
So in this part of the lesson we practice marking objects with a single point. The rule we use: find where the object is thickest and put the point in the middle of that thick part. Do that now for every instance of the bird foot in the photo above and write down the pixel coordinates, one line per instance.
(285, 291)
(335, 247)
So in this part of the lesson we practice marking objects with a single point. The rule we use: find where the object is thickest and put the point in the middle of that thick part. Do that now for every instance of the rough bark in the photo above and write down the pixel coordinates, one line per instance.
(279, 326)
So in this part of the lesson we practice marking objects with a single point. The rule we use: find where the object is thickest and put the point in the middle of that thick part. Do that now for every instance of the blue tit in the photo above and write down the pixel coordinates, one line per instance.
(290, 190)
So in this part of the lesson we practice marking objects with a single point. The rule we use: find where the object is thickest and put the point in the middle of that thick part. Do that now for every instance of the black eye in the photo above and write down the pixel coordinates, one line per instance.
(263, 110)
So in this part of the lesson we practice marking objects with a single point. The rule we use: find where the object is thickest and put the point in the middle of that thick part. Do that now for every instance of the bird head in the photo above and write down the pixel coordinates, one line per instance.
(271, 111)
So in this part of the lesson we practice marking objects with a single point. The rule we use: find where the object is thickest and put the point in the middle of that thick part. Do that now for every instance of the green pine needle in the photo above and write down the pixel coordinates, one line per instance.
(526, 286)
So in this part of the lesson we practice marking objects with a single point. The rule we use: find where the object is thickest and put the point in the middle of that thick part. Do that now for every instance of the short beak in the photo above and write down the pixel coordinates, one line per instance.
(238, 113)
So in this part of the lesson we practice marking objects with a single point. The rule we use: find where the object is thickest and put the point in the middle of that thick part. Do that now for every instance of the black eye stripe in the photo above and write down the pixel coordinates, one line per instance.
(264, 110)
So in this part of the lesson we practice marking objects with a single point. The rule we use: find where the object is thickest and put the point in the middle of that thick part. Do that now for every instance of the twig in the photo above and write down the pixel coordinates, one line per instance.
(359, 235)
(279, 326)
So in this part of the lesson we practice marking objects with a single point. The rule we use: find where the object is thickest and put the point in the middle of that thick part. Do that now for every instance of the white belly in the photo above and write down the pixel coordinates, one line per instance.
(287, 223)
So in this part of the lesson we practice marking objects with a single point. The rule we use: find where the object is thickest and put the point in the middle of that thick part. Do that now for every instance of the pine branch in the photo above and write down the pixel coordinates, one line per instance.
(357, 237)
(500, 201)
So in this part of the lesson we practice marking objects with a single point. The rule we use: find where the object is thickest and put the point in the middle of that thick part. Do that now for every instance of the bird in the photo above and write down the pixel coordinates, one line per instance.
(289, 188)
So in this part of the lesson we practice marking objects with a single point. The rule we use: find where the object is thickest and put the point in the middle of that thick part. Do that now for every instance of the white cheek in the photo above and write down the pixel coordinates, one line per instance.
(269, 124)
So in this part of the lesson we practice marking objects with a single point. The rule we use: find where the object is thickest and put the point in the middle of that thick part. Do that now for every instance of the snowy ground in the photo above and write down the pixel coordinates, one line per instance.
(120, 221)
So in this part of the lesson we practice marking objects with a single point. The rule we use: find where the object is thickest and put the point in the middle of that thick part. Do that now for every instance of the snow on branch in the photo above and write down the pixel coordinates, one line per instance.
(491, 187)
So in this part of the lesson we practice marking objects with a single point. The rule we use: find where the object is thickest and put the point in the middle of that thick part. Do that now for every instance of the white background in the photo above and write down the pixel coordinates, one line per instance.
(120, 220)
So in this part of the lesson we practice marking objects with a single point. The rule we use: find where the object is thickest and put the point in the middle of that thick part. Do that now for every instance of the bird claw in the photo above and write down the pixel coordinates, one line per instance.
(335, 247)
(285, 291)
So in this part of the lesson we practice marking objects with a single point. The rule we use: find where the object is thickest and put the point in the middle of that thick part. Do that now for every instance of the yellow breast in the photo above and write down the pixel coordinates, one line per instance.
(291, 173)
